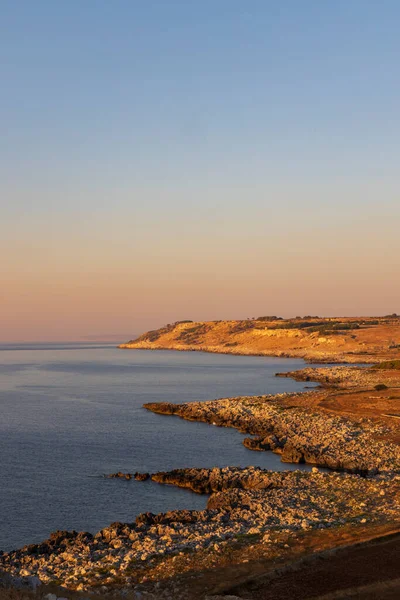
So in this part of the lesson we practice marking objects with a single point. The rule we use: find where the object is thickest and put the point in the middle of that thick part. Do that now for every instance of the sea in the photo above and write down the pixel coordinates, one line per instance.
(70, 413)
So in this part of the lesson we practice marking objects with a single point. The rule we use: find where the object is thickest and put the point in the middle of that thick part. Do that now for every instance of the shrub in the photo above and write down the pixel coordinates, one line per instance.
(241, 326)
(273, 318)
(190, 335)
(388, 365)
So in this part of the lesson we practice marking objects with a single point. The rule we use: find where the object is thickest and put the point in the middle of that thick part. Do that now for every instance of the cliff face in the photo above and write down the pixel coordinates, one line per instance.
(352, 340)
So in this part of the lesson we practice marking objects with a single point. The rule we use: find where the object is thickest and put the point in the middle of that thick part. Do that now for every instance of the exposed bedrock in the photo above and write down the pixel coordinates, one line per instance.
(128, 476)
(299, 435)
(253, 495)
(349, 377)
(207, 481)
(242, 502)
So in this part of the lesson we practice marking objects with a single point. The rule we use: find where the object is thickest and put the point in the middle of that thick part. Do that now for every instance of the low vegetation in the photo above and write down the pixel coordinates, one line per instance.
(388, 365)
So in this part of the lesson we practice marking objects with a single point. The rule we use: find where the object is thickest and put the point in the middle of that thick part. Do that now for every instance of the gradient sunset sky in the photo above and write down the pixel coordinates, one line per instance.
(166, 160)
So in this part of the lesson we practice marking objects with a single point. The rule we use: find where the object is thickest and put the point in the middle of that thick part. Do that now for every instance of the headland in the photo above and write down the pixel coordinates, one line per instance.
(314, 339)
(261, 526)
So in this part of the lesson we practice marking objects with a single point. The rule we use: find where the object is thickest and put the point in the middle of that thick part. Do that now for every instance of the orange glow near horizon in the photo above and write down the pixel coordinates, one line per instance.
(121, 281)
(191, 160)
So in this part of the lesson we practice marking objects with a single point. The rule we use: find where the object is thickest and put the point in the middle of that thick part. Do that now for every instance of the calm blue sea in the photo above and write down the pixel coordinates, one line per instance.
(72, 412)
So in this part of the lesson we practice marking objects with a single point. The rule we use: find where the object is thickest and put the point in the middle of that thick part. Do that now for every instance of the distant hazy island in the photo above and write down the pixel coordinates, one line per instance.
(262, 531)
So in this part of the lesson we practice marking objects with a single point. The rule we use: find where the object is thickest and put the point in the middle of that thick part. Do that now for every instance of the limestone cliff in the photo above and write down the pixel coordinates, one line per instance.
(349, 339)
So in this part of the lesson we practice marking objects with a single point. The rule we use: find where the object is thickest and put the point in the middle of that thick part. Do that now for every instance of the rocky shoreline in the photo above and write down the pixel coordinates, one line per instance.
(347, 377)
(243, 502)
(299, 435)
(262, 513)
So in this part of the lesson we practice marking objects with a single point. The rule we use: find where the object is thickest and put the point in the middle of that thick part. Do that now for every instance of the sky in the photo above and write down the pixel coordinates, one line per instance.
(204, 160)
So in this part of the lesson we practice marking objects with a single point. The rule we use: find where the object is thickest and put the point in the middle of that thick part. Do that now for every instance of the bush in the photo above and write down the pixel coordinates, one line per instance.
(388, 365)
(273, 318)
(190, 335)
(241, 326)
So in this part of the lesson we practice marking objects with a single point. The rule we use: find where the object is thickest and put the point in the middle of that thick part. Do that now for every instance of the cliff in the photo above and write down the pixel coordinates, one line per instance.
(348, 339)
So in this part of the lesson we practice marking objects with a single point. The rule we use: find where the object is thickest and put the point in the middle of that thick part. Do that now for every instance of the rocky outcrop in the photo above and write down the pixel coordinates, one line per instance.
(119, 475)
(315, 339)
(141, 476)
(347, 377)
(242, 502)
(128, 476)
(299, 435)
(207, 481)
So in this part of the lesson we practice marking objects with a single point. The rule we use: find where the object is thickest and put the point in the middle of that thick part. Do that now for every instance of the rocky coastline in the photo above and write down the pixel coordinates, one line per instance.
(342, 427)
(299, 435)
(263, 506)
(347, 377)
(314, 339)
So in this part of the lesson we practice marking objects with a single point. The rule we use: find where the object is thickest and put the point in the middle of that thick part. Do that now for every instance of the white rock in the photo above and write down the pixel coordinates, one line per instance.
(25, 573)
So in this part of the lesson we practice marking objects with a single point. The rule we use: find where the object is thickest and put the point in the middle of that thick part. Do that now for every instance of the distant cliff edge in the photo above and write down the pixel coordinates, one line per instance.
(315, 339)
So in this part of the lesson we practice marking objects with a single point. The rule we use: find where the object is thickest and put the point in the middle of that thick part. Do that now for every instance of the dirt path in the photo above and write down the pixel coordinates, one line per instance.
(368, 571)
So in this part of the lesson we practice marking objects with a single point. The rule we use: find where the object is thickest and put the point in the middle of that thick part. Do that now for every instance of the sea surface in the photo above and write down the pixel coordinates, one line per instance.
(70, 413)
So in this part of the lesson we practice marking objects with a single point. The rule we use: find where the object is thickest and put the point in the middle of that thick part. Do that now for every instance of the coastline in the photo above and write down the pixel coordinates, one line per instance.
(306, 358)
(255, 519)
(333, 340)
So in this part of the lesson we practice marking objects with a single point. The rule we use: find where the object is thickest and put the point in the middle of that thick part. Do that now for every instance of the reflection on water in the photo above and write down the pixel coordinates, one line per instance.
(74, 412)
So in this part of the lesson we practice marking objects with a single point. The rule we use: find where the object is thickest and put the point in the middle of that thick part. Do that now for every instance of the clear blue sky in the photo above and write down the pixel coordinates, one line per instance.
(149, 144)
